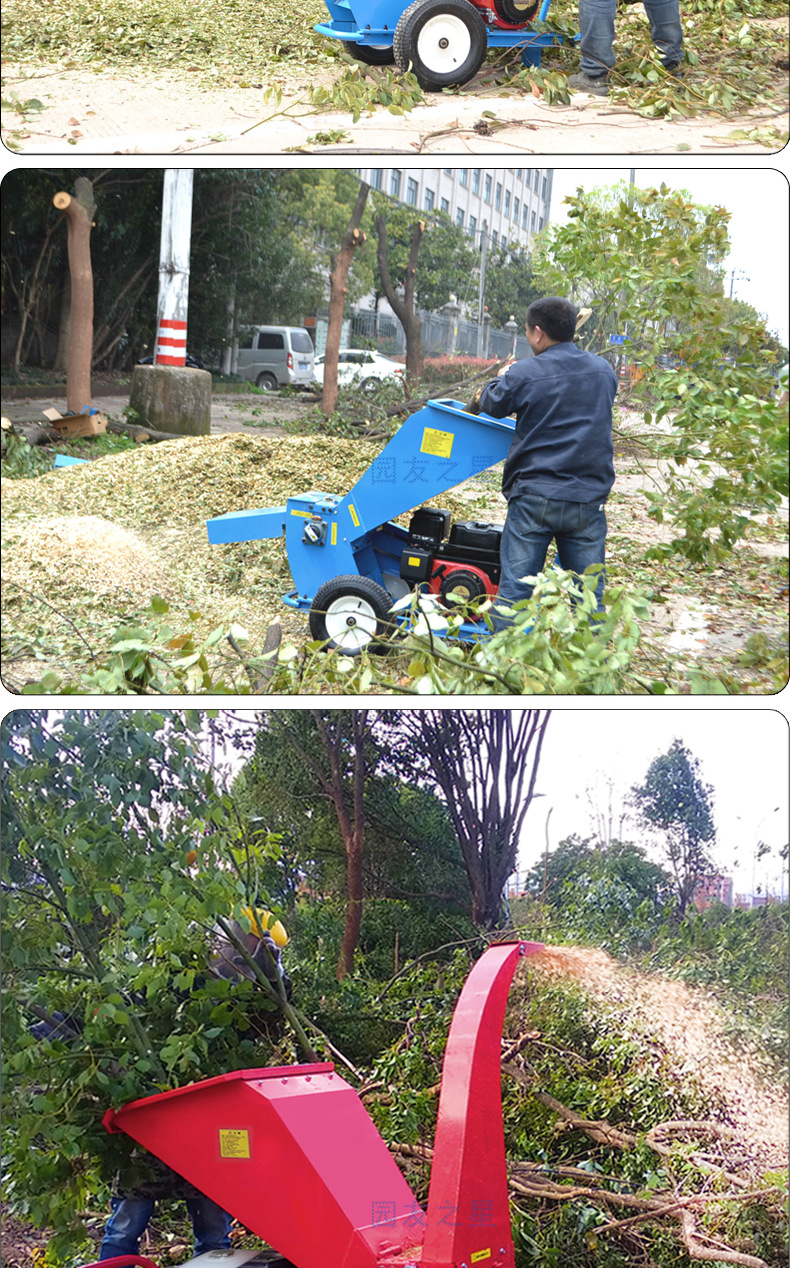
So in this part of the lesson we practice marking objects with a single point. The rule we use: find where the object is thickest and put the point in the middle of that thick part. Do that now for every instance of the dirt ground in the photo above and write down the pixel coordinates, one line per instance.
(106, 112)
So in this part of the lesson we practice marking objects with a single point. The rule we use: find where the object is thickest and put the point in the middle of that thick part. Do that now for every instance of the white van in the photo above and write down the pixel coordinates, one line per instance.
(273, 356)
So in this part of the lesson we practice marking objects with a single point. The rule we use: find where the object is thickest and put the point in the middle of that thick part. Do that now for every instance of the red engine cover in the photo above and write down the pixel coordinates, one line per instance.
(445, 573)
(508, 15)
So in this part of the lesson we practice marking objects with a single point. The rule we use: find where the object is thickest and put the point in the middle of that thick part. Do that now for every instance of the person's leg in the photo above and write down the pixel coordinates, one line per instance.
(596, 23)
(522, 552)
(666, 30)
(125, 1227)
(581, 540)
(210, 1223)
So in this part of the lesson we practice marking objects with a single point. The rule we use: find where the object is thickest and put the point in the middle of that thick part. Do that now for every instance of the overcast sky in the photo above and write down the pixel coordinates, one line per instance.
(758, 200)
(743, 753)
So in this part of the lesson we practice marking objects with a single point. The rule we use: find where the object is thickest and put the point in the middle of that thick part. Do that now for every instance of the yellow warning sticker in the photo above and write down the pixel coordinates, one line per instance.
(413, 561)
(333, 535)
(303, 515)
(353, 514)
(438, 443)
(234, 1143)
(477, 1255)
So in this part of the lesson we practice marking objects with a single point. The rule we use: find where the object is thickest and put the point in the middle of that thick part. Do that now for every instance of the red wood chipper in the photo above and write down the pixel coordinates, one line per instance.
(292, 1154)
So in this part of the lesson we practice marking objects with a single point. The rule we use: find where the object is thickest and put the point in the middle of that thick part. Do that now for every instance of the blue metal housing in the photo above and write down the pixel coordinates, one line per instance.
(327, 536)
(374, 22)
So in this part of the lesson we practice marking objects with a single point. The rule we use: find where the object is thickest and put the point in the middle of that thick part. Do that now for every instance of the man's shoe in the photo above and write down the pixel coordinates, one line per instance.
(675, 70)
(599, 87)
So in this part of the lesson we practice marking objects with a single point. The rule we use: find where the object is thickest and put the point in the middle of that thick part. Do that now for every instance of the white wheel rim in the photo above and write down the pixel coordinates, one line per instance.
(350, 623)
(444, 43)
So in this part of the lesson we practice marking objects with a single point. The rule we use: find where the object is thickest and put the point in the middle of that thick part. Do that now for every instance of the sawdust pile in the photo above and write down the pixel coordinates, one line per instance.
(94, 554)
(690, 1025)
(181, 482)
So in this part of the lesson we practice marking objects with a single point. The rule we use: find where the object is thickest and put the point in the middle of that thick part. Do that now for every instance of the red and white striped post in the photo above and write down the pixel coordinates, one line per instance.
(171, 323)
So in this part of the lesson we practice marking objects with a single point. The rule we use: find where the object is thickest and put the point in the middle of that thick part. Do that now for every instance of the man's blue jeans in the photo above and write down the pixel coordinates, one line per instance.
(596, 22)
(578, 528)
(130, 1216)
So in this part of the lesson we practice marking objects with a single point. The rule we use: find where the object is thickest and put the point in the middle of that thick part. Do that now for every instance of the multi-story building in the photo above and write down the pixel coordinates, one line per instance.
(508, 205)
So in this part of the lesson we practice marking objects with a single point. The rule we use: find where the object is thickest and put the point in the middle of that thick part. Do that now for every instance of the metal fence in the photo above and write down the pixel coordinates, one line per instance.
(442, 334)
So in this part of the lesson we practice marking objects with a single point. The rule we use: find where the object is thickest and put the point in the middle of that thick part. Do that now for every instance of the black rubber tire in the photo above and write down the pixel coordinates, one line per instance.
(446, 21)
(460, 579)
(268, 382)
(515, 11)
(355, 604)
(372, 54)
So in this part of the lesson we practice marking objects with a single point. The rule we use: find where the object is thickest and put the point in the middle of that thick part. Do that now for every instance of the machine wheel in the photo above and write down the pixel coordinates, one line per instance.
(267, 381)
(372, 54)
(444, 41)
(350, 613)
(460, 586)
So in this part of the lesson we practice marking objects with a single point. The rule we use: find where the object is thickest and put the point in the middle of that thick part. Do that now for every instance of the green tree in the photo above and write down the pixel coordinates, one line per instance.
(675, 802)
(644, 267)
(510, 285)
(121, 855)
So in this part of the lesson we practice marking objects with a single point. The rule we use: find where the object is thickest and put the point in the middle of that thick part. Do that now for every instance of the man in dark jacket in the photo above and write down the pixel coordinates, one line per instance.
(559, 469)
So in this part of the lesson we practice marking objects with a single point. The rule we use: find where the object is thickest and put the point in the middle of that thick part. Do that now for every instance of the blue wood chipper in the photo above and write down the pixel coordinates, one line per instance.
(350, 562)
(444, 42)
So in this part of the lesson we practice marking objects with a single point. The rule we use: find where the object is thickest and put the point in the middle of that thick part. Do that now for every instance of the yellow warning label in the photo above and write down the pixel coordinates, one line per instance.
(353, 514)
(233, 1143)
(305, 515)
(413, 561)
(477, 1255)
(333, 535)
(438, 443)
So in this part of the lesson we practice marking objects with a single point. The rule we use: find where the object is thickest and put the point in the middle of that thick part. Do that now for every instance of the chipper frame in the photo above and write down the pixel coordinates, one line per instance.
(444, 42)
(349, 561)
(292, 1154)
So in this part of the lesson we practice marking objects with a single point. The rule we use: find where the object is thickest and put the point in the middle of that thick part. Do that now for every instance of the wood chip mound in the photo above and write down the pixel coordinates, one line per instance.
(97, 556)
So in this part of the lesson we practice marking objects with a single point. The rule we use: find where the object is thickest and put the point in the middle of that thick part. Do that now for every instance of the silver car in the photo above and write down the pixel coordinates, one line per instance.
(273, 356)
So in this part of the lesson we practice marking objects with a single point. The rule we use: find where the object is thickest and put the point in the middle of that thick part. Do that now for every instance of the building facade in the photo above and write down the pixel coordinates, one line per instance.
(508, 205)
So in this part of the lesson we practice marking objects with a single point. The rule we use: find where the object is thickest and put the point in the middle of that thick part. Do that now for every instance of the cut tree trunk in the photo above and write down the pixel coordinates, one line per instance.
(354, 237)
(78, 211)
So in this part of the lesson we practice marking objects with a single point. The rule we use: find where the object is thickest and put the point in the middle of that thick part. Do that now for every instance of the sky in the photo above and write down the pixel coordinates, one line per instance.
(743, 753)
(759, 201)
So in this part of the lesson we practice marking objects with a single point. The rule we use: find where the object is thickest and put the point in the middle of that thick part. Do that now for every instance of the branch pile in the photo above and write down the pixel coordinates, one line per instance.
(719, 1185)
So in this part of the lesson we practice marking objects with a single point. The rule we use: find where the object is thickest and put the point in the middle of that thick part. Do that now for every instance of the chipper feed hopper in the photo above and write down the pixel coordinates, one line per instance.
(292, 1154)
(444, 42)
(350, 562)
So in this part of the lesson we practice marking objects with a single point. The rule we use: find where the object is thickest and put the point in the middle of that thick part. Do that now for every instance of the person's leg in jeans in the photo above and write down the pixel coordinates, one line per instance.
(596, 23)
(580, 530)
(522, 552)
(210, 1223)
(125, 1227)
(665, 29)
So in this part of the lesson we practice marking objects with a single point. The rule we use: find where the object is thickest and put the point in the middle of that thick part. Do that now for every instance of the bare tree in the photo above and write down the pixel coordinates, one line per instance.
(78, 211)
(341, 263)
(403, 306)
(484, 764)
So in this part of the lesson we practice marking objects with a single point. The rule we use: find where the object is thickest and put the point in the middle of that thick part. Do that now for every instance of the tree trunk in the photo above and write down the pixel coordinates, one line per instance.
(64, 326)
(79, 220)
(403, 308)
(354, 237)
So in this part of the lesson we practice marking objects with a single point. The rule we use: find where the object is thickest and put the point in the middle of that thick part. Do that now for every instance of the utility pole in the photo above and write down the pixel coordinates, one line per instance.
(171, 323)
(481, 302)
(166, 395)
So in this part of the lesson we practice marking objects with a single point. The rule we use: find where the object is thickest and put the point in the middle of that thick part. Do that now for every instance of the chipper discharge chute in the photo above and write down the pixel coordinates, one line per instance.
(291, 1153)
(350, 562)
(444, 42)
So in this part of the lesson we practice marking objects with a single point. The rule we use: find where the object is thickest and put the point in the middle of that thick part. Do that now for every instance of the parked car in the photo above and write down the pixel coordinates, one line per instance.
(361, 365)
(274, 356)
(191, 363)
